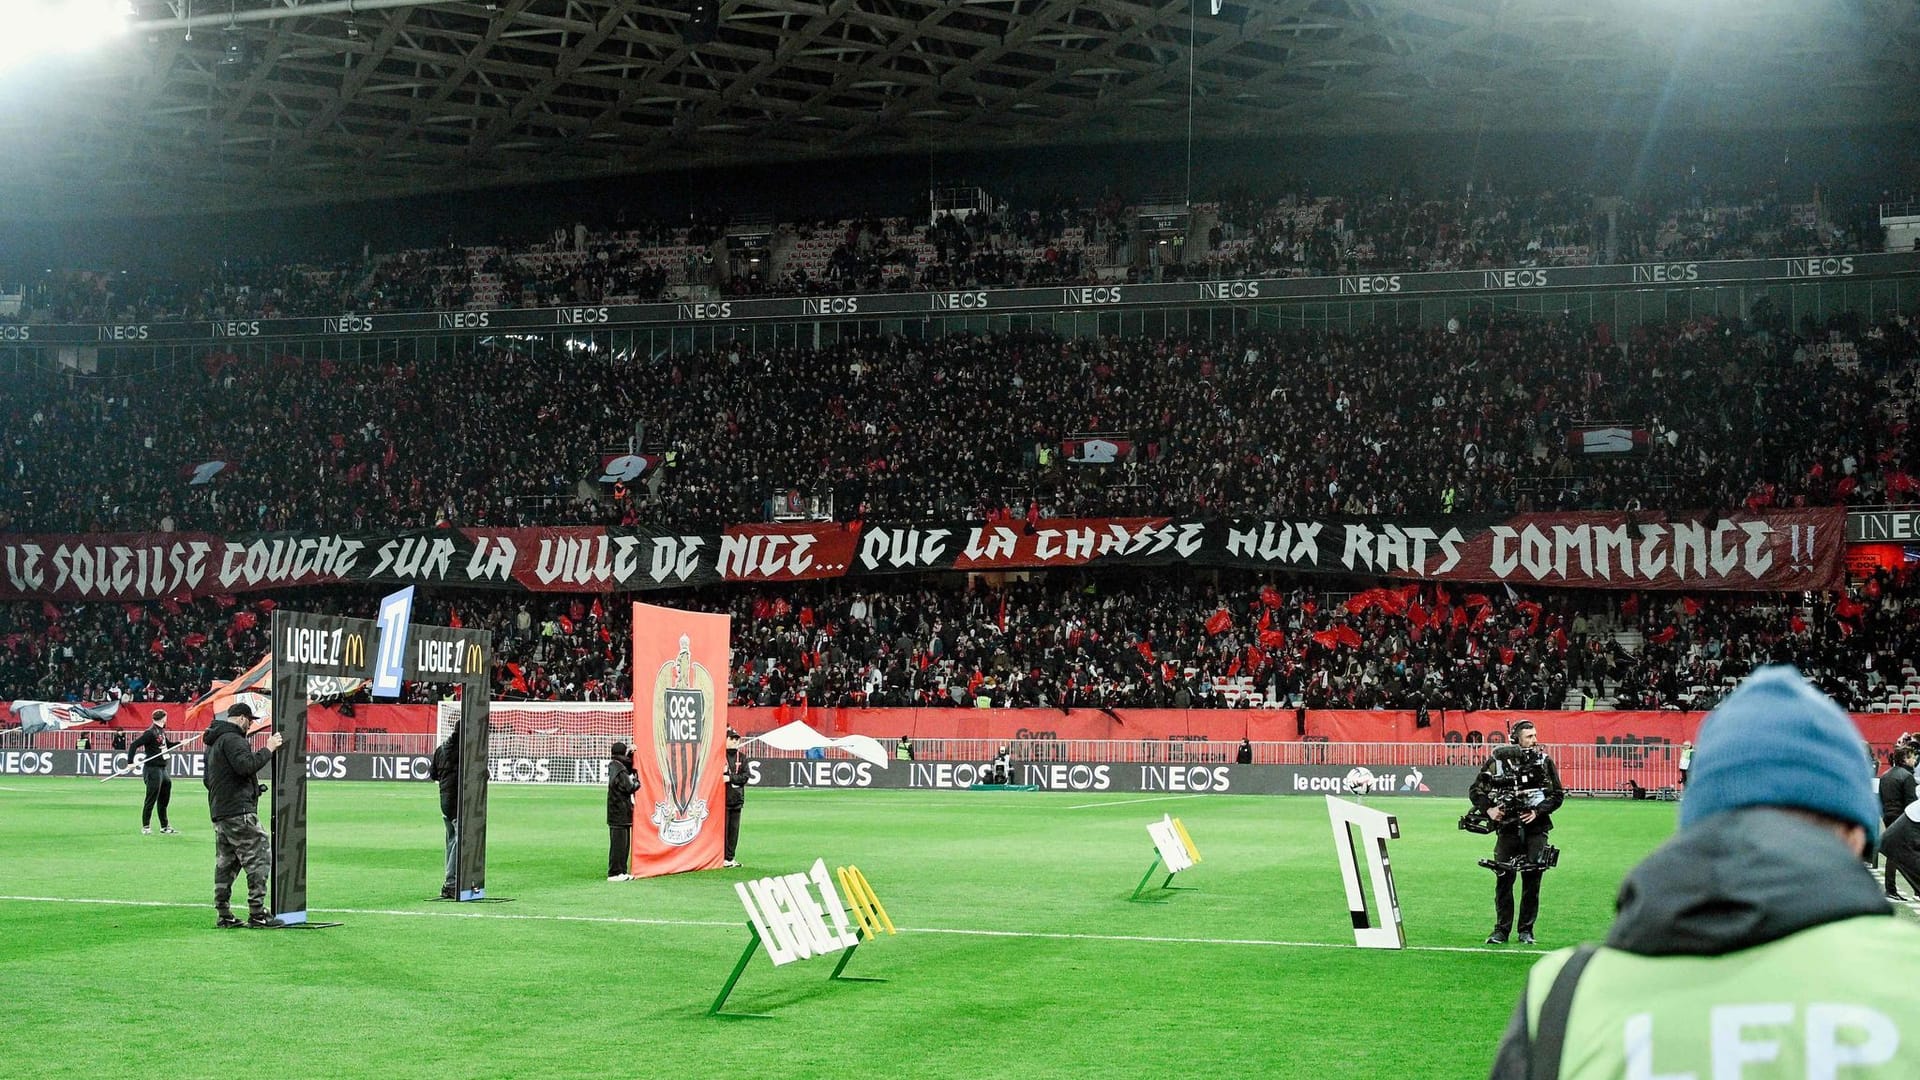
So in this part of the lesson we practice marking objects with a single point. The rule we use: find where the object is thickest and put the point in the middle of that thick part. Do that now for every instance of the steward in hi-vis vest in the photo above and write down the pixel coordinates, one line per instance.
(1754, 943)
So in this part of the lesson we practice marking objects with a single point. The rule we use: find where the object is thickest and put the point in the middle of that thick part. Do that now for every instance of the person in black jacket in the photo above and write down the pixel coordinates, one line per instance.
(622, 782)
(233, 800)
(736, 792)
(1518, 789)
(1897, 792)
(153, 743)
(445, 768)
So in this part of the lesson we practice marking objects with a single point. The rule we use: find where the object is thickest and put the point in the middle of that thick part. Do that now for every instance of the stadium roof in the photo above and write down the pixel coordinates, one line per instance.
(291, 101)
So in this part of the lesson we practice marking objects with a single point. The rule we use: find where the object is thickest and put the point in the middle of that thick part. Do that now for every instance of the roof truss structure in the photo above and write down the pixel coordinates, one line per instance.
(397, 97)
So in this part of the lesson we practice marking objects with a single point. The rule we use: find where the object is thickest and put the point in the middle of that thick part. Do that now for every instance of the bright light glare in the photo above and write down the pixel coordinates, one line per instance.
(35, 28)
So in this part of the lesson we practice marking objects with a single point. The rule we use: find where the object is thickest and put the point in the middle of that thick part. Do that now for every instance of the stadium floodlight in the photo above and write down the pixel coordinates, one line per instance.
(40, 28)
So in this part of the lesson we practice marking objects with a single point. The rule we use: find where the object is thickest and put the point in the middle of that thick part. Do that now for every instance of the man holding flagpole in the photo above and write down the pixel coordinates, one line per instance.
(736, 793)
(154, 745)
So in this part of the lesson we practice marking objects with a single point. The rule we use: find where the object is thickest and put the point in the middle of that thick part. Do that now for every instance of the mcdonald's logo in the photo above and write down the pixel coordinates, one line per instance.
(356, 651)
(476, 659)
(867, 909)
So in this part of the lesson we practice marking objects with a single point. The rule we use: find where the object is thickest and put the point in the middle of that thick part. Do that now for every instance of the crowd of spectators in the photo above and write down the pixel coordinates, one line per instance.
(1475, 418)
(1066, 639)
(1288, 228)
(1304, 233)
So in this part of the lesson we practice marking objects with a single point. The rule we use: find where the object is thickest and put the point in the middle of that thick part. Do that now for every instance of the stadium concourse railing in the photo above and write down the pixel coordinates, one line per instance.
(1586, 769)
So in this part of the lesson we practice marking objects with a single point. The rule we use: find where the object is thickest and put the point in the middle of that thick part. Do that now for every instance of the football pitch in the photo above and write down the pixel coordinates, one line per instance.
(1018, 954)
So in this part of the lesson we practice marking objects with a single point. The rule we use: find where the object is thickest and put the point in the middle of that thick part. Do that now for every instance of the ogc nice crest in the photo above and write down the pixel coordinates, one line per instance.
(682, 737)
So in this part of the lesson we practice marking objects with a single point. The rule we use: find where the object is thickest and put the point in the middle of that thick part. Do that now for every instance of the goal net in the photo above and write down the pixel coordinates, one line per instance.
(539, 730)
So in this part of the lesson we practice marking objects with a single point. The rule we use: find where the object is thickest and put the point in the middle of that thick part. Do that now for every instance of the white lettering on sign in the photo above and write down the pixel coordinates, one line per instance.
(1827, 267)
(13, 763)
(797, 916)
(1659, 272)
(1514, 279)
(683, 717)
(1229, 290)
(959, 301)
(310, 645)
(902, 548)
(1378, 283)
(1754, 1033)
(440, 656)
(1724, 549)
(765, 555)
(831, 305)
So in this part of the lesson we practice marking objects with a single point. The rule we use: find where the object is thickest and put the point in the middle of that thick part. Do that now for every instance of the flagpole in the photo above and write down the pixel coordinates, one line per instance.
(128, 769)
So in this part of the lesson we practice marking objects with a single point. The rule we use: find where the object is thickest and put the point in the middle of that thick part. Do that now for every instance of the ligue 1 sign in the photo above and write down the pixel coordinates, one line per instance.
(800, 916)
(1376, 828)
(790, 913)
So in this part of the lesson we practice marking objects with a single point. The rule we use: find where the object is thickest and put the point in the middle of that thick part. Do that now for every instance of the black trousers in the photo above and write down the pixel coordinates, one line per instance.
(1901, 845)
(619, 843)
(733, 830)
(1510, 844)
(159, 793)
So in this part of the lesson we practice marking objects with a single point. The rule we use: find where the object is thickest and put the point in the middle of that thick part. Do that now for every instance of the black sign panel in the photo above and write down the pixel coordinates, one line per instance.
(1679, 274)
(444, 654)
(335, 645)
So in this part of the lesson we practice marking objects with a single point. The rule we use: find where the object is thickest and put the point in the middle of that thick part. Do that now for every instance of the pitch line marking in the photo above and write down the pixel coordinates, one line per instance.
(626, 920)
(1130, 802)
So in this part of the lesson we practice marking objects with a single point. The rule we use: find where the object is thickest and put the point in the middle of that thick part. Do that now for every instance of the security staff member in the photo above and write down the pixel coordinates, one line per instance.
(1522, 775)
(1754, 943)
(233, 802)
(622, 782)
(444, 768)
(153, 743)
(736, 792)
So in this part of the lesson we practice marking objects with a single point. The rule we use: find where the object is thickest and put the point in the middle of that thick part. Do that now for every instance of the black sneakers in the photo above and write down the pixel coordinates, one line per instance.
(1498, 937)
(449, 893)
(1526, 937)
(227, 922)
(260, 920)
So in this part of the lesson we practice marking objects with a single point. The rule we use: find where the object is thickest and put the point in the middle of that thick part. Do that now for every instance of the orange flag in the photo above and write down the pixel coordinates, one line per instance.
(679, 728)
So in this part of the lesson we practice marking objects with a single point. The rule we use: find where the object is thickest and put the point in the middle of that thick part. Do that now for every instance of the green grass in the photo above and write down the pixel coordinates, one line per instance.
(581, 977)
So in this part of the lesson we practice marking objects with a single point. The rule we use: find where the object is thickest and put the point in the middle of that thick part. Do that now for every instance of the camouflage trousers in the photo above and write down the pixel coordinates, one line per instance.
(240, 842)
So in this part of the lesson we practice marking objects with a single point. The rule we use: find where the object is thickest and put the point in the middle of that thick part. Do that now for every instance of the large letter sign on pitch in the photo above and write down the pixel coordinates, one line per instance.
(799, 916)
(1376, 828)
(791, 922)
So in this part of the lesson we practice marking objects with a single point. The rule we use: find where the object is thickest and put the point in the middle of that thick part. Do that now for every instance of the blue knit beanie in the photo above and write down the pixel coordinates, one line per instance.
(1778, 741)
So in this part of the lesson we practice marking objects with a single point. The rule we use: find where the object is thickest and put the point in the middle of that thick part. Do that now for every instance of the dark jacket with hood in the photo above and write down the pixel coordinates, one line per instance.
(1896, 791)
(622, 782)
(1738, 881)
(232, 763)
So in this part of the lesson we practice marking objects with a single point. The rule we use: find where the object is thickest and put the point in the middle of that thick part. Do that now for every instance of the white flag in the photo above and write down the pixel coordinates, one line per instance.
(798, 737)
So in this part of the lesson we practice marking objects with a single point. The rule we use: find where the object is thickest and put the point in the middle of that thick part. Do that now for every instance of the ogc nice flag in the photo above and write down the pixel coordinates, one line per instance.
(679, 749)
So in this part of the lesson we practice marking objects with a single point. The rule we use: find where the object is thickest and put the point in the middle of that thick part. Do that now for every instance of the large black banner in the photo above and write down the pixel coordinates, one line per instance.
(1383, 285)
(1775, 551)
(441, 654)
(1448, 781)
(304, 645)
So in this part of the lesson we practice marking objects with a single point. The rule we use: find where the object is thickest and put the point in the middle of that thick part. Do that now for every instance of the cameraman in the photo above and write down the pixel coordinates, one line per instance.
(1518, 789)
